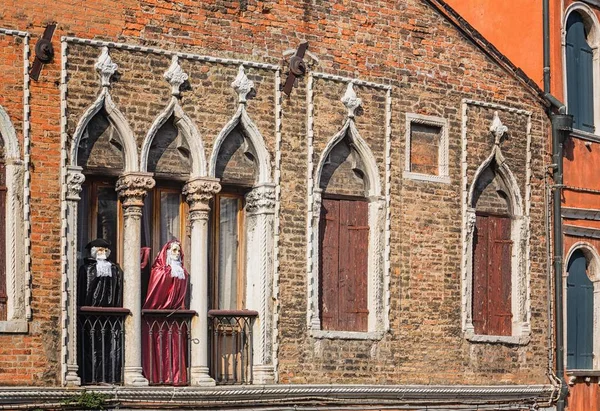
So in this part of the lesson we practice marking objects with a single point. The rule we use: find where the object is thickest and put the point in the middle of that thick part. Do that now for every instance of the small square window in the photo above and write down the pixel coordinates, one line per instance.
(426, 148)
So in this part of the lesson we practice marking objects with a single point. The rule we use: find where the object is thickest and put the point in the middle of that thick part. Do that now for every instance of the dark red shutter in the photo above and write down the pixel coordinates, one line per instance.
(492, 282)
(3, 310)
(344, 265)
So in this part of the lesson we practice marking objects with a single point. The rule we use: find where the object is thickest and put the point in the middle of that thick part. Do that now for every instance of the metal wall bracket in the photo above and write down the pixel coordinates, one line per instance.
(44, 52)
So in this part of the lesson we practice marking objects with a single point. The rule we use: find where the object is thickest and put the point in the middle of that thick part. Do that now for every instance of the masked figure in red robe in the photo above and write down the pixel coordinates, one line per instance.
(165, 335)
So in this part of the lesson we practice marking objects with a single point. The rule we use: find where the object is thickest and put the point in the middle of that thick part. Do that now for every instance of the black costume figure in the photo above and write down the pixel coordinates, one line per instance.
(100, 284)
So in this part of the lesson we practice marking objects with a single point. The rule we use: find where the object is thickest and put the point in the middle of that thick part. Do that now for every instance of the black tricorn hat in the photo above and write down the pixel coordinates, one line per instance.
(98, 242)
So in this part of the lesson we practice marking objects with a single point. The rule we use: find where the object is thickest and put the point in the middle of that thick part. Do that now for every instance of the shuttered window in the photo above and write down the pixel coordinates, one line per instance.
(492, 276)
(344, 265)
(580, 78)
(3, 297)
(580, 314)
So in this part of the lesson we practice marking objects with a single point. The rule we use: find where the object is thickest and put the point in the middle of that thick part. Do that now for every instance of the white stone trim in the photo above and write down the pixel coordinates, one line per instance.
(593, 265)
(378, 292)
(388, 210)
(521, 289)
(355, 81)
(188, 130)
(18, 260)
(277, 181)
(170, 53)
(593, 25)
(443, 175)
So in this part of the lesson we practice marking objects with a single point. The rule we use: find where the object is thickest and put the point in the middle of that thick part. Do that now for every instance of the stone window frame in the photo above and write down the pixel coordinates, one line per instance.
(377, 210)
(593, 25)
(15, 235)
(593, 263)
(443, 169)
(520, 295)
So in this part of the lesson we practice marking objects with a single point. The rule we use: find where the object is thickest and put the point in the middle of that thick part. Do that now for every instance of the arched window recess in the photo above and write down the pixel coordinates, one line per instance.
(348, 212)
(497, 232)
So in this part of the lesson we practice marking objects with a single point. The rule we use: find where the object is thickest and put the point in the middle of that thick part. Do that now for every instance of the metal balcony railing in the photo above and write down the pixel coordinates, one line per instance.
(231, 345)
(166, 346)
(100, 344)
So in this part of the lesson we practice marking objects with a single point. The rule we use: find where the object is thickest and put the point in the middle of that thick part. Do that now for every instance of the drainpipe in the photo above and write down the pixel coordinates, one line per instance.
(562, 125)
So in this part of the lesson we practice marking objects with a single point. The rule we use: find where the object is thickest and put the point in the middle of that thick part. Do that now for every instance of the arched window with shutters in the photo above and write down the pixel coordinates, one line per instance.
(580, 314)
(581, 67)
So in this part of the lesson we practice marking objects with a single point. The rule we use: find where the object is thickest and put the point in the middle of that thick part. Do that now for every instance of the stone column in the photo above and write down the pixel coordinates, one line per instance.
(260, 213)
(74, 181)
(132, 189)
(198, 192)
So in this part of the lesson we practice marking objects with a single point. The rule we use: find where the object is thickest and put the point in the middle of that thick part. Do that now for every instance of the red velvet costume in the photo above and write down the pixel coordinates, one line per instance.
(164, 339)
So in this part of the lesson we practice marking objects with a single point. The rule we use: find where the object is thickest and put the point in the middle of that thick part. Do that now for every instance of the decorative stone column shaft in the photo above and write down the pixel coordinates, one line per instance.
(132, 189)
(198, 192)
(75, 180)
(260, 216)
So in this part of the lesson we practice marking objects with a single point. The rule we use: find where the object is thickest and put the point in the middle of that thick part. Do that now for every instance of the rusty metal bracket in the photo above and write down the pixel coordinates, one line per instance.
(44, 52)
(297, 68)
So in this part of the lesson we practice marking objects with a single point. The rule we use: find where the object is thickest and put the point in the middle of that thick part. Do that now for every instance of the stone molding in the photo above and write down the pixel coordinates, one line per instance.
(105, 67)
(242, 85)
(75, 180)
(351, 101)
(261, 199)
(199, 191)
(133, 187)
(520, 265)
(175, 76)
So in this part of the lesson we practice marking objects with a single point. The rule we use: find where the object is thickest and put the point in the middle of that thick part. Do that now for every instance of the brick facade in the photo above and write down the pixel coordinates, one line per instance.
(408, 47)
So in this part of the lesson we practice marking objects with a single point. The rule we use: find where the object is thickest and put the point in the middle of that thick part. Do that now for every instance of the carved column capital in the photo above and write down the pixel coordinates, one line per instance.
(261, 199)
(133, 187)
(75, 179)
(198, 192)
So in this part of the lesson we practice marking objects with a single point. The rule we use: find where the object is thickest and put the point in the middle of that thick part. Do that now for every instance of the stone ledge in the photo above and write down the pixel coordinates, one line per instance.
(14, 327)
(347, 335)
(259, 395)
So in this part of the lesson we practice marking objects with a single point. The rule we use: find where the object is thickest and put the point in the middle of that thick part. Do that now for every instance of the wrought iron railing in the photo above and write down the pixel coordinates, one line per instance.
(166, 346)
(231, 345)
(100, 344)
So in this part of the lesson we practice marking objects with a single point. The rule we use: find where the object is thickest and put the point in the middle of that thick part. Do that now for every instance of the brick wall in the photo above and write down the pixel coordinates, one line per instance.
(430, 67)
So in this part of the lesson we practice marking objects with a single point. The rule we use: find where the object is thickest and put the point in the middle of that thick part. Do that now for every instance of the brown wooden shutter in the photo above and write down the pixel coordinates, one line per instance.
(329, 270)
(3, 297)
(492, 282)
(344, 265)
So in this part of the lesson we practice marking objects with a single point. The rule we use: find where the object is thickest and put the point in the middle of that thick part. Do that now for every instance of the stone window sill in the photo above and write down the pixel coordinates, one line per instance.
(497, 339)
(426, 177)
(347, 335)
(14, 327)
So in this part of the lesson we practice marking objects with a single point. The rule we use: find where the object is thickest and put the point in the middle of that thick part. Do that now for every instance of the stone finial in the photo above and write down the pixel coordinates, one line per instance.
(242, 85)
(350, 100)
(497, 128)
(105, 67)
(261, 199)
(75, 180)
(175, 76)
(133, 187)
(199, 191)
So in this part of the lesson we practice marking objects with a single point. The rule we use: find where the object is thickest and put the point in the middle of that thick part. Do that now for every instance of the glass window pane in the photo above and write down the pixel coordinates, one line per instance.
(169, 217)
(106, 221)
(228, 253)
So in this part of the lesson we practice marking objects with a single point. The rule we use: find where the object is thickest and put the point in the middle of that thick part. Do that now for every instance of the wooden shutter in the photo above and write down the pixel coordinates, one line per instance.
(3, 296)
(344, 265)
(492, 282)
(580, 77)
(580, 314)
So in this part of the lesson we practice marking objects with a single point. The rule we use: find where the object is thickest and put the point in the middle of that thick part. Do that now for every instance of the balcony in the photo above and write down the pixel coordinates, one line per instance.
(231, 345)
(166, 346)
(100, 344)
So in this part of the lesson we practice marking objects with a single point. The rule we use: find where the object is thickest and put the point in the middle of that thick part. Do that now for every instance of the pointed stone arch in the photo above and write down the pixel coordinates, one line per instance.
(117, 120)
(189, 132)
(253, 137)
